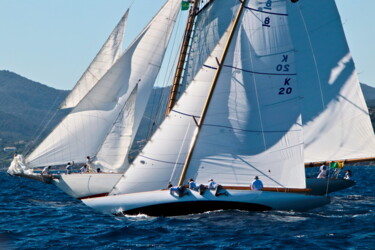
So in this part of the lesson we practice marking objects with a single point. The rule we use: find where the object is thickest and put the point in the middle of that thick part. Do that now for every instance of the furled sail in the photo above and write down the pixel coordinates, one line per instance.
(252, 126)
(106, 57)
(157, 165)
(335, 118)
(83, 132)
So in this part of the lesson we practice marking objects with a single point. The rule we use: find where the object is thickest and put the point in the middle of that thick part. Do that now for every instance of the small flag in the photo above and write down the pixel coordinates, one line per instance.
(333, 165)
(185, 5)
(340, 164)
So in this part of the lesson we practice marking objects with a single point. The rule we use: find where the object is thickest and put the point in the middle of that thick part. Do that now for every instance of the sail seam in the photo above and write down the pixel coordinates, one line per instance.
(247, 130)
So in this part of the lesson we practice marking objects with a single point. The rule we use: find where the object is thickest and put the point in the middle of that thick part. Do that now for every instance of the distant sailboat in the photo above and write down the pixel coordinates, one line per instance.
(271, 85)
(108, 104)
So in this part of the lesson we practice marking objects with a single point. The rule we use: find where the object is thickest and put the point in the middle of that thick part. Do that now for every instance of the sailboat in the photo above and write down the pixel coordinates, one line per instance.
(108, 104)
(270, 85)
(243, 104)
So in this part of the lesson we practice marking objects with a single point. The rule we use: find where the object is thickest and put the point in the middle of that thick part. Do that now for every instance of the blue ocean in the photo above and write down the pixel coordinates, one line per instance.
(39, 216)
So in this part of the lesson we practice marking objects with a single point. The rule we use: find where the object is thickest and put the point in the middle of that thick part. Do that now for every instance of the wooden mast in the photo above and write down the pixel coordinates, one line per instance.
(190, 153)
(182, 57)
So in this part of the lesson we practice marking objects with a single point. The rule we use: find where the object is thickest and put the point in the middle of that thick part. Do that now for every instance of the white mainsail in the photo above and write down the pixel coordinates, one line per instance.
(253, 122)
(106, 57)
(335, 117)
(83, 132)
(162, 159)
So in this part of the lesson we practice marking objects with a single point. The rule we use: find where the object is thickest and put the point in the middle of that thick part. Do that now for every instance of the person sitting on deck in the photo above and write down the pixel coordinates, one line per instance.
(84, 169)
(196, 187)
(46, 170)
(348, 175)
(257, 184)
(180, 190)
(323, 172)
(89, 163)
(217, 187)
(98, 170)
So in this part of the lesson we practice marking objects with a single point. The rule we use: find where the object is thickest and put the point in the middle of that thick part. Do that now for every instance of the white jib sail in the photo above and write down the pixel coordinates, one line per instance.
(335, 117)
(118, 139)
(84, 130)
(162, 158)
(106, 57)
(253, 122)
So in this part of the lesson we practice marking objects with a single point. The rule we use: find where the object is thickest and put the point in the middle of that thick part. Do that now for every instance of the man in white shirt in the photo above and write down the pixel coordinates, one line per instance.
(84, 169)
(323, 172)
(196, 187)
(69, 168)
(46, 170)
(217, 187)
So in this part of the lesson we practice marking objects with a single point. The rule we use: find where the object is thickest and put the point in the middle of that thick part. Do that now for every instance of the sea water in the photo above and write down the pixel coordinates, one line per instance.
(39, 216)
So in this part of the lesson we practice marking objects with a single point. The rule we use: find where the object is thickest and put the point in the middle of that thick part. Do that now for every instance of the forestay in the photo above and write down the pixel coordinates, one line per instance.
(84, 130)
(106, 57)
(335, 118)
(162, 158)
(253, 122)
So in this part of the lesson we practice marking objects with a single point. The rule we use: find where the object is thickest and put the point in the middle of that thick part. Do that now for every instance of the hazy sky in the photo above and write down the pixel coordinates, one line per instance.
(53, 41)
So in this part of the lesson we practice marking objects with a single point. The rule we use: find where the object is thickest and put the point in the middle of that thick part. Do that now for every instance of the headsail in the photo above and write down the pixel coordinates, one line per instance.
(84, 130)
(157, 165)
(335, 118)
(106, 57)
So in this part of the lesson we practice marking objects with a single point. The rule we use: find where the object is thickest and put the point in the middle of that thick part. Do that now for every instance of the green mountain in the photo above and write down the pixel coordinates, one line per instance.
(24, 105)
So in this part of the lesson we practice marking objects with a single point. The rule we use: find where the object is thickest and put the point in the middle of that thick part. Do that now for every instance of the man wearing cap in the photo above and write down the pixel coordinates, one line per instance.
(257, 184)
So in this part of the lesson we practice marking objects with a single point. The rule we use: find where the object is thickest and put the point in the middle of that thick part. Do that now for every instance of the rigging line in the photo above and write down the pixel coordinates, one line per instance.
(162, 103)
(267, 12)
(172, 59)
(38, 133)
(260, 73)
(206, 4)
(264, 174)
(313, 55)
(250, 71)
(210, 67)
(181, 113)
